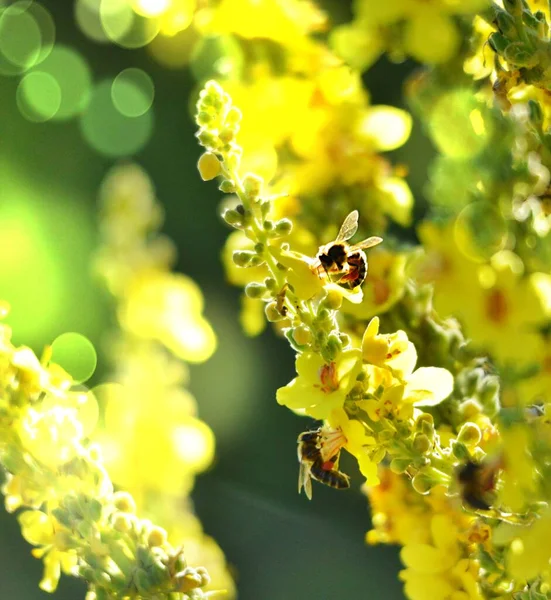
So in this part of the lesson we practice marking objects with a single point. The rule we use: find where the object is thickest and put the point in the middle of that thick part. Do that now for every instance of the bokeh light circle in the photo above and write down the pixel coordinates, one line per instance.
(110, 132)
(88, 18)
(73, 77)
(480, 231)
(46, 24)
(20, 39)
(76, 354)
(38, 96)
(132, 92)
(123, 26)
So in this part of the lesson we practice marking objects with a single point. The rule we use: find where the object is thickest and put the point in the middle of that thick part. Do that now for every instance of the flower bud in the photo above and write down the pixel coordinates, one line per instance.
(461, 451)
(233, 159)
(122, 522)
(333, 300)
(470, 409)
(513, 7)
(255, 290)
(302, 335)
(233, 218)
(226, 135)
(333, 347)
(422, 482)
(233, 117)
(253, 186)
(208, 139)
(190, 579)
(204, 118)
(268, 225)
(519, 54)
(272, 313)
(157, 536)
(506, 24)
(421, 443)
(209, 166)
(425, 424)
(469, 434)
(399, 465)
(270, 283)
(498, 42)
(345, 341)
(227, 187)
(283, 227)
(243, 258)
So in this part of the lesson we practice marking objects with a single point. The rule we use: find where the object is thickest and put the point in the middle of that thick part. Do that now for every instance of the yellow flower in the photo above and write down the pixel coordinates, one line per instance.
(40, 529)
(503, 315)
(301, 276)
(537, 388)
(447, 267)
(357, 443)
(384, 284)
(393, 351)
(152, 440)
(529, 553)
(168, 308)
(388, 405)
(321, 387)
(430, 34)
(438, 570)
(519, 473)
(53, 435)
(287, 23)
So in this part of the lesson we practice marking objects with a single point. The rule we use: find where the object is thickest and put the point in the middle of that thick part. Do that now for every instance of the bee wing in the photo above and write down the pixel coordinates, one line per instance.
(349, 227)
(304, 480)
(367, 243)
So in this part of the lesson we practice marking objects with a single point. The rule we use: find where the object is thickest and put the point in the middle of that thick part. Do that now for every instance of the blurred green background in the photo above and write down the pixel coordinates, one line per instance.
(280, 545)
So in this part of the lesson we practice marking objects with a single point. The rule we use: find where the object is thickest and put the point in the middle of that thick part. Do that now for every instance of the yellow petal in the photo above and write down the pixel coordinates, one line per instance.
(428, 386)
(431, 37)
(386, 126)
(400, 199)
(36, 527)
(426, 559)
(301, 276)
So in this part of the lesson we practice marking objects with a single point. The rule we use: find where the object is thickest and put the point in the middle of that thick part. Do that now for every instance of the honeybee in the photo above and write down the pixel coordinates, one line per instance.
(478, 481)
(346, 262)
(318, 460)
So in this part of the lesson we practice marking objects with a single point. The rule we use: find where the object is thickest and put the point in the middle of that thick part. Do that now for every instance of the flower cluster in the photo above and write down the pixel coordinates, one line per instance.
(433, 428)
(153, 441)
(67, 507)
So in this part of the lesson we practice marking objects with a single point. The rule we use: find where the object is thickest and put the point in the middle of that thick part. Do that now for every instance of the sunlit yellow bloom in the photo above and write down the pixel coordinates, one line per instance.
(447, 267)
(430, 34)
(519, 474)
(392, 350)
(480, 64)
(53, 436)
(537, 388)
(168, 308)
(529, 553)
(384, 284)
(321, 387)
(357, 443)
(390, 404)
(287, 23)
(339, 145)
(40, 529)
(440, 569)
(301, 276)
(145, 450)
(503, 316)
